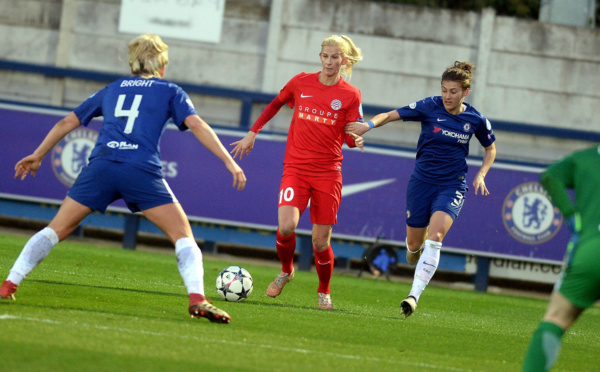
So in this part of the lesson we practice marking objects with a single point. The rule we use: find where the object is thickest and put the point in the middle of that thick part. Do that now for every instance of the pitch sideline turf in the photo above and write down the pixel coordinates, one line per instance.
(91, 307)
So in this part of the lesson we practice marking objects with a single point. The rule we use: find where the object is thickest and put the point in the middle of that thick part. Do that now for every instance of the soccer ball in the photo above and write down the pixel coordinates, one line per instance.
(234, 284)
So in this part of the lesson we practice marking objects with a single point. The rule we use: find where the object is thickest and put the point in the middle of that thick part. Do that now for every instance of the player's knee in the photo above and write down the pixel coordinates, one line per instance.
(414, 245)
(286, 229)
(320, 244)
(560, 321)
(561, 312)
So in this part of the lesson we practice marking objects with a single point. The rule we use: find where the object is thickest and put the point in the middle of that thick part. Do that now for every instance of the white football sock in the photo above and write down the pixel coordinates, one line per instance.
(34, 252)
(189, 263)
(426, 267)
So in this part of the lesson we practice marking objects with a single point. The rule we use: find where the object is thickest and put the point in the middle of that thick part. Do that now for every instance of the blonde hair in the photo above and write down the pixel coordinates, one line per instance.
(148, 54)
(348, 49)
(461, 72)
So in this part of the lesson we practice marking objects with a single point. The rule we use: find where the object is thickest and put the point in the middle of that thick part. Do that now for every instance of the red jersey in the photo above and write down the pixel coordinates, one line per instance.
(316, 134)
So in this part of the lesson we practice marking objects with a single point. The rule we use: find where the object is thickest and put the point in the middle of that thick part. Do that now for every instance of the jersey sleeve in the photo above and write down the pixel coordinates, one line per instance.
(355, 113)
(286, 95)
(416, 111)
(349, 141)
(91, 107)
(556, 179)
(485, 134)
(181, 108)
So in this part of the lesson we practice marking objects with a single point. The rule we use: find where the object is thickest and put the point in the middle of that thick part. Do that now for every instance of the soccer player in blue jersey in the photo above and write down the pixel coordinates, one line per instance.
(125, 164)
(437, 189)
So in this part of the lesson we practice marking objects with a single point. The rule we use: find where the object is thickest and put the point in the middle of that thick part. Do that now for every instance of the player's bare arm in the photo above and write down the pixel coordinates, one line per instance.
(377, 121)
(32, 163)
(243, 146)
(488, 160)
(207, 136)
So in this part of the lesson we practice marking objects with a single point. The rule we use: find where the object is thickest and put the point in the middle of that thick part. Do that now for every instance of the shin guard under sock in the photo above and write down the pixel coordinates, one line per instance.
(324, 264)
(286, 247)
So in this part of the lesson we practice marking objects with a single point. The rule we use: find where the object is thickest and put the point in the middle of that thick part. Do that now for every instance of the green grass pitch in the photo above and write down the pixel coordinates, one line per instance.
(96, 307)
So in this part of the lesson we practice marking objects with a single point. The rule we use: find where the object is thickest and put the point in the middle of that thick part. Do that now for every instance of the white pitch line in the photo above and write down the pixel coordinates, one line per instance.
(230, 342)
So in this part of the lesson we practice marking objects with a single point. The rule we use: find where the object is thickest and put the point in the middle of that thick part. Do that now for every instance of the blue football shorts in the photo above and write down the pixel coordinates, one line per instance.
(102, 182)
(423, 199)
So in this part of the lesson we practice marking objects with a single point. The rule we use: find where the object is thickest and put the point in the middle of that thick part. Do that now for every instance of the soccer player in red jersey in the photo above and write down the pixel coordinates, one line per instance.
(323, 104)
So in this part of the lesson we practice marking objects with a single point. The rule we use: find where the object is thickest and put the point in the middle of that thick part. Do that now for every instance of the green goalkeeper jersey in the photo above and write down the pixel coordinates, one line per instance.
(579, 171)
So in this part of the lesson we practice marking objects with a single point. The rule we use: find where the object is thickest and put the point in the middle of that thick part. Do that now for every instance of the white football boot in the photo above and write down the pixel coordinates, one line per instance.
(408, 306)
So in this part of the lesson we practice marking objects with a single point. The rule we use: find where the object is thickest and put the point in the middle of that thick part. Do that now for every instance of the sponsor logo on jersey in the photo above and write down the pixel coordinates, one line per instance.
(71, 154)
(460, 137)
(529, 215)
(122, 145)
(317, 115)
(336, 104)
(303, 96)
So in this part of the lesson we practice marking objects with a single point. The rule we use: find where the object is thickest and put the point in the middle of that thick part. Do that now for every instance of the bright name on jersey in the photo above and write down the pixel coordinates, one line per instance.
(137, 83)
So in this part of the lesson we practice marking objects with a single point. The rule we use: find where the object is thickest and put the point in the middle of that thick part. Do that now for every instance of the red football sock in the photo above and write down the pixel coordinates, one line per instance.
(324, 265)
(196, 298)
(286, 247)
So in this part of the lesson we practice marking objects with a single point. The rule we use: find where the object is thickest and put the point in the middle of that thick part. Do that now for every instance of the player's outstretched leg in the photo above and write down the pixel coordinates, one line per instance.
(325, 301)
(408, 306)
(278, 283)
(7, 290)
(201, 308)
(423, 273)
(35, 250)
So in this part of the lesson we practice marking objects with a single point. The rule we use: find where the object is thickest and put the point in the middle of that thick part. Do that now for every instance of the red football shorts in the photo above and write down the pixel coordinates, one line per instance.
(324, 195)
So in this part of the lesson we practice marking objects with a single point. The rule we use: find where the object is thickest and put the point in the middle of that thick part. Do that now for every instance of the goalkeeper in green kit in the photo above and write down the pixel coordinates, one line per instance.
(579, 285)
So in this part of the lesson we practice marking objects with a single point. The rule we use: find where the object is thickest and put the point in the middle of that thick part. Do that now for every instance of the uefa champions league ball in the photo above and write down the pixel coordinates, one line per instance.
(234, 284)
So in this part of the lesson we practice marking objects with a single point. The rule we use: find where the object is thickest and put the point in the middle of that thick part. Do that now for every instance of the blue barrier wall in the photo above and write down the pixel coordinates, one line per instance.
(505, 224)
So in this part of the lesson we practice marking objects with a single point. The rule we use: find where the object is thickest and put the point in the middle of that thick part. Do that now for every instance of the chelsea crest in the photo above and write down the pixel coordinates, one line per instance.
(529, 215)
(71, 154)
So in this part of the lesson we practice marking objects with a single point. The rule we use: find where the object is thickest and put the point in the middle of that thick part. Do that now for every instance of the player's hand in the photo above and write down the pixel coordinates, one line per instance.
(26, 165)
(358, 141)
(479, 185)
(243, 146)
(239, 178)
(574, 222)
(357, 128)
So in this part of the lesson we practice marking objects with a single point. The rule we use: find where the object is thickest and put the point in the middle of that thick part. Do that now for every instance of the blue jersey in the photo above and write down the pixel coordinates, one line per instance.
(444, 140)
(135, 112)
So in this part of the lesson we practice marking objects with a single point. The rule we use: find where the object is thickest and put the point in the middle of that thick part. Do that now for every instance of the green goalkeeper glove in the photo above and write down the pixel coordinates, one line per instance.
(574, 222)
